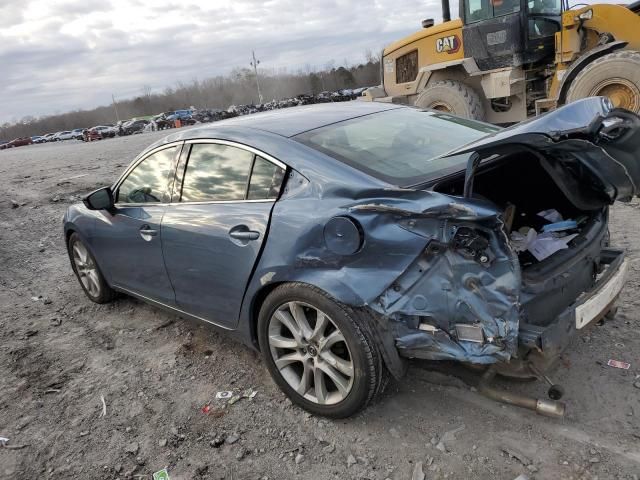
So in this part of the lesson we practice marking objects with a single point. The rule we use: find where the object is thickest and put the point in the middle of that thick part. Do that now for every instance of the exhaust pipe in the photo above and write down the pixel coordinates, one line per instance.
(446, 12)
(549, 408)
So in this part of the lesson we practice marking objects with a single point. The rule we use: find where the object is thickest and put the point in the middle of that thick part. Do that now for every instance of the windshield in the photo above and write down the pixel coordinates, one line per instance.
(401, 146)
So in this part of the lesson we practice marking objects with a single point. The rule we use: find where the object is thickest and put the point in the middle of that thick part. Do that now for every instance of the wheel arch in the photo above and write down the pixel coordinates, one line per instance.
(579, 64)
(345, 296)
(339, 292)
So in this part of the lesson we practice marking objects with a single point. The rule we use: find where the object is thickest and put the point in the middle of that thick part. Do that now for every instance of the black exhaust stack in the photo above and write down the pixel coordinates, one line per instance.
(446, 13)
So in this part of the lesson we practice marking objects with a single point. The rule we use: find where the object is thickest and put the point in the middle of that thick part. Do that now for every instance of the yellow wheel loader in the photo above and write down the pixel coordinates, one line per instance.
(505, 60)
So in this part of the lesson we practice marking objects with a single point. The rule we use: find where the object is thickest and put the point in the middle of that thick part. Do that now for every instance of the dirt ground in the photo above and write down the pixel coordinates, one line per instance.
(60, 355)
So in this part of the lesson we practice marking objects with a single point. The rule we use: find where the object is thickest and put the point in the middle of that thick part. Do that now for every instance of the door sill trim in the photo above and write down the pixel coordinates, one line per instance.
(151, 301)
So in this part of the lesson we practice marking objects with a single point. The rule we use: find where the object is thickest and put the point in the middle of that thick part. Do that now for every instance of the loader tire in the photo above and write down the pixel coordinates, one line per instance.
(615, 76)
(452, 97)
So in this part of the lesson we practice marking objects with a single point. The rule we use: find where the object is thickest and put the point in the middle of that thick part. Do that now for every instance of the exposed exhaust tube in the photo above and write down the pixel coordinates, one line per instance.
(446, 13)
(549, 408)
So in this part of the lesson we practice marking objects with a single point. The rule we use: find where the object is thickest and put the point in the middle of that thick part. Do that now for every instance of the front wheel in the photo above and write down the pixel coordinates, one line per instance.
(318, 351)
(86, 269)
(453, 97)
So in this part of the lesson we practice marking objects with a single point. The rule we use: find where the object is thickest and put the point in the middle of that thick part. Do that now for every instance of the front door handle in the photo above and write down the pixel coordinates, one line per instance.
(244, 234)
(146, 232)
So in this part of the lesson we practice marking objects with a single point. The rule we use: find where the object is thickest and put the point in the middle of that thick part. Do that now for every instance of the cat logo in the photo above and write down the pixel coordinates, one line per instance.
(450, 44)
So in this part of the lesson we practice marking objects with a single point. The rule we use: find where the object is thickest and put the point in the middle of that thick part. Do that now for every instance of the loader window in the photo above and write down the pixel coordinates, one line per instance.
(407, 67)
(476, 10)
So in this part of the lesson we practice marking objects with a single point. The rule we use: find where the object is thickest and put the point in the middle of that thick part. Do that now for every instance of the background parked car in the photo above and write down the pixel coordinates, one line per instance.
(134, 126)
(101, 131)
(64, 135)
(77, 133)
(48, 137)
(17, 142)
(38, 139)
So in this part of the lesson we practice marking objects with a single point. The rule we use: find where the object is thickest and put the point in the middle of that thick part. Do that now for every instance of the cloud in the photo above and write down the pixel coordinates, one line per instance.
(59, 55)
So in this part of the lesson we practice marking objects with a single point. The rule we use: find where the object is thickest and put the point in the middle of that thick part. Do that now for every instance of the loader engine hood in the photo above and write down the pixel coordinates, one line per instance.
(588, 147)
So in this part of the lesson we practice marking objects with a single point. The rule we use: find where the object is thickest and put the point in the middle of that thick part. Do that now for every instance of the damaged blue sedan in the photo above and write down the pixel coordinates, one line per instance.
(341, 240)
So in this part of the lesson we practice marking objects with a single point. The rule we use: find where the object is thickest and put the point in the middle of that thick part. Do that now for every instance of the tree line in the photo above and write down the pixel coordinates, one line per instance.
(236, 88)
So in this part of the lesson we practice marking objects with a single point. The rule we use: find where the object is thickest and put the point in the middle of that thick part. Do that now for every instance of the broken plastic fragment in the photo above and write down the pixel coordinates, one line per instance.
(619, 364)
(560, 226)
(551, 215)
(3, 441)
(161, 475)
(224, 395)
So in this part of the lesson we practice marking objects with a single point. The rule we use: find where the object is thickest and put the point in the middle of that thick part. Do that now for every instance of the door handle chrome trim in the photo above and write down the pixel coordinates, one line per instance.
(245, 234)
(145, 230)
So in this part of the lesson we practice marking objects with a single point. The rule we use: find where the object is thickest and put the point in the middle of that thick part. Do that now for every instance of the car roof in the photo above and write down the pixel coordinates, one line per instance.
(293, 121)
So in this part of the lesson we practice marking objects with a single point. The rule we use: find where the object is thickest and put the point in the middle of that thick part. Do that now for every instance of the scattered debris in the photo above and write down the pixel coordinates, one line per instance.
(3, 441)
(161, 475)
(418, 474)
(224, 395)
(248, 393)
(162, 442)
(299, 459)
(14, 204)
(619, 364)
(242, 452)
(132, 448)
(351, 461)
(448, 437)
(594, 460)
(637, 384)
(104, 406)
(52, 390)
(522, 477)
(166, 324)
(513, 453)
(231, 439)
(394, 432)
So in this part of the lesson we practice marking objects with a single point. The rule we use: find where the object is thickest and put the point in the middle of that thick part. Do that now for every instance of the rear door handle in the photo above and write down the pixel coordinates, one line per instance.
(245, 234)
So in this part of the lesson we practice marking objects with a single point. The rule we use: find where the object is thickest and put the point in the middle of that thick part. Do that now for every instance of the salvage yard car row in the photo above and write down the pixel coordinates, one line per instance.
(180, 118)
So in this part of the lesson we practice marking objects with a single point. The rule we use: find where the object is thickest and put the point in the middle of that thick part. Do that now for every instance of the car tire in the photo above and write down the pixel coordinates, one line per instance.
(335, 368)
(87, 271)
(453, 97)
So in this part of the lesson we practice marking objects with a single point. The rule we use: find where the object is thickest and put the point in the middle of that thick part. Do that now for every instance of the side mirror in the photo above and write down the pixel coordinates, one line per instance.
(101, 199)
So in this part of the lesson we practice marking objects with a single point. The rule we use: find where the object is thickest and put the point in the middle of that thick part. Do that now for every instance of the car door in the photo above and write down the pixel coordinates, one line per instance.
(213, 231)
(128, 239)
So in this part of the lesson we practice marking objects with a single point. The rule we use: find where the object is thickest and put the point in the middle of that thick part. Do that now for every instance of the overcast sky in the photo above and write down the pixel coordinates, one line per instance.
(60, 55)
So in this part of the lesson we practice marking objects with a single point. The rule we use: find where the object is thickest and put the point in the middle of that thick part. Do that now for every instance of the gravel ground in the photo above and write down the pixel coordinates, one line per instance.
(60, 355)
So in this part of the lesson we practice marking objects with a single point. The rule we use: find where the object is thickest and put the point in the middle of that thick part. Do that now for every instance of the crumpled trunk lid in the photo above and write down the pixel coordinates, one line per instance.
(589, 148)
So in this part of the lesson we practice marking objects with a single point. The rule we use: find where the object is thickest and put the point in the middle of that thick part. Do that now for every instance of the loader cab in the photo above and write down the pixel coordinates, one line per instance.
(509, 33)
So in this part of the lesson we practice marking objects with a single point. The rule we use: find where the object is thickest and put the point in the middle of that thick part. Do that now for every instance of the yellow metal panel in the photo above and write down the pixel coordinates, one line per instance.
(438, 44)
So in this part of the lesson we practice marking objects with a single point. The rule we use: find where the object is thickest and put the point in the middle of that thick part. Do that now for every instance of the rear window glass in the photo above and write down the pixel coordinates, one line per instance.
(402, 146)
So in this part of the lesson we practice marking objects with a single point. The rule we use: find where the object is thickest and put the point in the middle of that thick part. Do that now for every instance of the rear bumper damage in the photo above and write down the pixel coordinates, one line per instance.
(589, 308)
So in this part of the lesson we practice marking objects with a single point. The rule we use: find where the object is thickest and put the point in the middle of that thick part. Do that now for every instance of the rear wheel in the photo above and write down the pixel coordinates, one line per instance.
(615, 76)
(318, 352)
(452, 97)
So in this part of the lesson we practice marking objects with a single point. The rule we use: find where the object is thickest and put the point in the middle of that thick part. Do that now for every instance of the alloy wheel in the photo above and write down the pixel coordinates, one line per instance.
(86, 268)
(311, 353)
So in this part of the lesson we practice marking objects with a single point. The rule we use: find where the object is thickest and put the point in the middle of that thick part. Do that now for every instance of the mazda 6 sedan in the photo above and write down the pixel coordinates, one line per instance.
(340, 240)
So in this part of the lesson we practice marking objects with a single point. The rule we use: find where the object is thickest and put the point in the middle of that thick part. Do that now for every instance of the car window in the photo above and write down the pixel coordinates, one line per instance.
(147, 182)
(216, 173)
(266, 179)
(403, 146)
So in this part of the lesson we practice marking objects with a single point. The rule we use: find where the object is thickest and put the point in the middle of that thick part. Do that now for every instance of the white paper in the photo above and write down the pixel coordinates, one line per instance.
(546, 245)
(552, 215)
